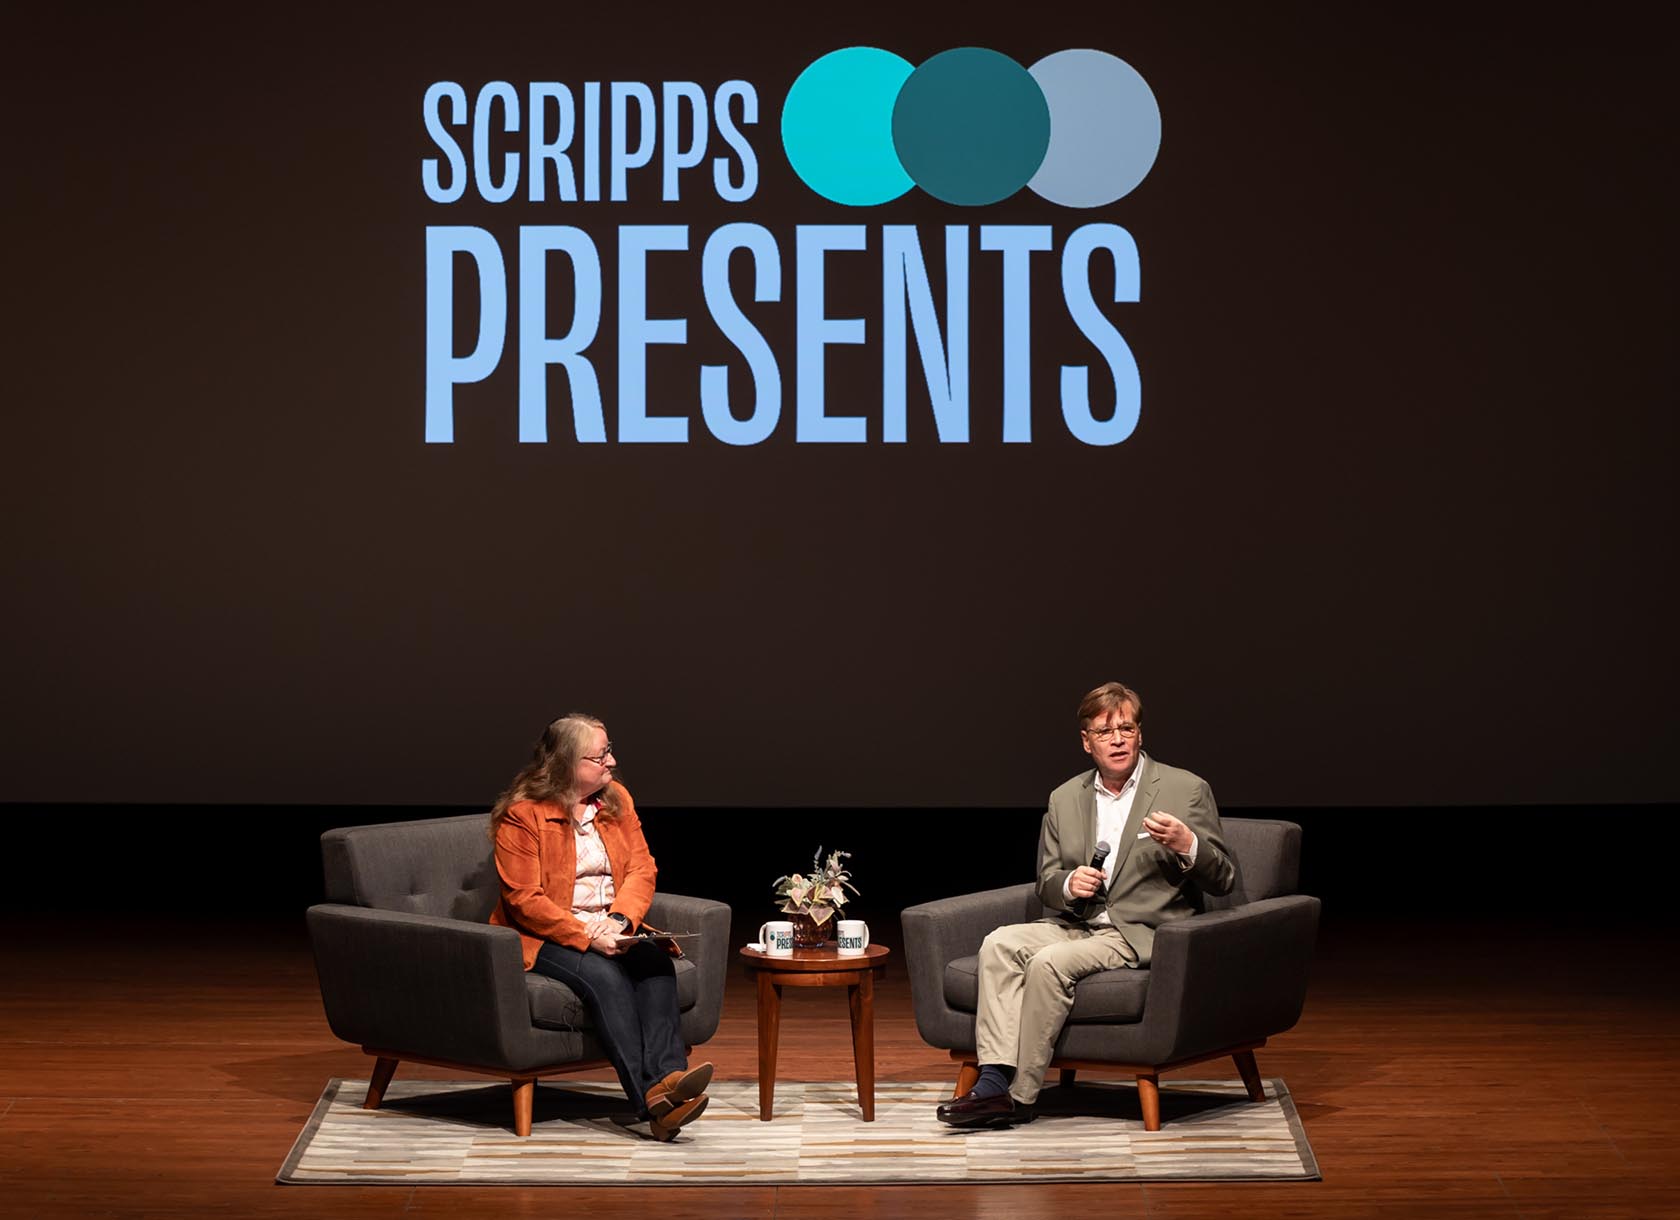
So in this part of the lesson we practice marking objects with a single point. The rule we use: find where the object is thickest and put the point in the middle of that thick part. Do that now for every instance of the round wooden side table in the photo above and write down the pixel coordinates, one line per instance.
(817, 968)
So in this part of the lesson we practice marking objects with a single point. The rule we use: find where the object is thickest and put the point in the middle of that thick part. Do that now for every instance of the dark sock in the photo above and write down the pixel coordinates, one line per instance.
(994, 1080)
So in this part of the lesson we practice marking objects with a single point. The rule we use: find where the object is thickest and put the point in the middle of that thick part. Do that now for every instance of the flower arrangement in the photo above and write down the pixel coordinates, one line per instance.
(813, 898)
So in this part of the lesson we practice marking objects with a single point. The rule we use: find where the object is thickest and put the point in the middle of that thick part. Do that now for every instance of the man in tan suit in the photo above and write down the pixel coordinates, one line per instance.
(1165, 846)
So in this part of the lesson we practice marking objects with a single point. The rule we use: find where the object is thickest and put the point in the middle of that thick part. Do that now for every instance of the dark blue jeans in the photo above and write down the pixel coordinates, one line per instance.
(632, 999)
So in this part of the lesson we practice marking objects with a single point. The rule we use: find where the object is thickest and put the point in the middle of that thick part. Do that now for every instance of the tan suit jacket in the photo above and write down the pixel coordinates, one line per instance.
(1151, 884)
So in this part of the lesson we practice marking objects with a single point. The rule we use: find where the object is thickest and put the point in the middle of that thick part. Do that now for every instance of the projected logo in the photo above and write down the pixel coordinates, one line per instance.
(572, 291)
(971, 127)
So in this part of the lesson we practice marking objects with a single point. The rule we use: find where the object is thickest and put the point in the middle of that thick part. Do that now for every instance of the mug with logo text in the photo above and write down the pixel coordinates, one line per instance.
(777, 938)
(854, 937)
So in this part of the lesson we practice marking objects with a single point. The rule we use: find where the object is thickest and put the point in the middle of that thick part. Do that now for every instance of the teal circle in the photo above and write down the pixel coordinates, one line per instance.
(837, 126)
(971, 126)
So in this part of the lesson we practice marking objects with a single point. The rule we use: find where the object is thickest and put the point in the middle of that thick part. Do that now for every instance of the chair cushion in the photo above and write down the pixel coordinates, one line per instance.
(556, 1006)
(1109, 995)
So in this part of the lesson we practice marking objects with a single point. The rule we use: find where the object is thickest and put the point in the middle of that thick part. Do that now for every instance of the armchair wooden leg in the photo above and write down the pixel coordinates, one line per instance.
(383, 1070)
(1149, 1097)
(1065, 1078)
(1250, 1072)
(967, 1076)
(524, 1094)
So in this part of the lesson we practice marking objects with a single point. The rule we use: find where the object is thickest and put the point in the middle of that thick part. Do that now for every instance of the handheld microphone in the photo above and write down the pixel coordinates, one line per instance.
(1098, 859)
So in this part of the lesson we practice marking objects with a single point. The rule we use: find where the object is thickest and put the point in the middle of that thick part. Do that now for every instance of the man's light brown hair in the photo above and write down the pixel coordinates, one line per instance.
(1108, 697)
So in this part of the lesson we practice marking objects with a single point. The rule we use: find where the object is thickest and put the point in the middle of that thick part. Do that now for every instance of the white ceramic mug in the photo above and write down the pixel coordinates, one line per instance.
(777, 938)
(854, 937)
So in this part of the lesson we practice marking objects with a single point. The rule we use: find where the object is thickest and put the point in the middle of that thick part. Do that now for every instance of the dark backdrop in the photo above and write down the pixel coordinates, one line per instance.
(1579, 870)
(1389, 532)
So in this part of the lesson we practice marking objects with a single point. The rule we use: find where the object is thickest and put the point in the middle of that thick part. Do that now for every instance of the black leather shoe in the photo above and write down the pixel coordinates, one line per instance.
(1001, 1110)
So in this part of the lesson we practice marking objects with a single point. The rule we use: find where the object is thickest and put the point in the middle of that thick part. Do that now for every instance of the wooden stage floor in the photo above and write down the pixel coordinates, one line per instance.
(164, 1070)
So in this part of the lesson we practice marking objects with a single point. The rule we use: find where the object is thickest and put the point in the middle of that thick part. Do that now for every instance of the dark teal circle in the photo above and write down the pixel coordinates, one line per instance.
(971, 126)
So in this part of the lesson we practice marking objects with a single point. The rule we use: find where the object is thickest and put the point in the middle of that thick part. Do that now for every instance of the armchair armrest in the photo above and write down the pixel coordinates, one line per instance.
(937, 933)
(431, 986)
(710, 955)
(1226, 977)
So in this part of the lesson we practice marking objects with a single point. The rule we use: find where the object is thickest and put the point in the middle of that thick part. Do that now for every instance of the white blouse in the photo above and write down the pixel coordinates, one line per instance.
(592, 890)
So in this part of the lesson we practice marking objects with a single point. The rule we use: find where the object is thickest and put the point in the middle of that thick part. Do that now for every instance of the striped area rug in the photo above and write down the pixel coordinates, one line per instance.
(459, 1132)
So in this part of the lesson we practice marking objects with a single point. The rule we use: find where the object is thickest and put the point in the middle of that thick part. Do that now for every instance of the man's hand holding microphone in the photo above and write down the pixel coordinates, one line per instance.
(1088, 880)
(1085, 882)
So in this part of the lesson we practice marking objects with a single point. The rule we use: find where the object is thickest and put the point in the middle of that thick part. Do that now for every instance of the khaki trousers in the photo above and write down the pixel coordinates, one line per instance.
(1027, 975)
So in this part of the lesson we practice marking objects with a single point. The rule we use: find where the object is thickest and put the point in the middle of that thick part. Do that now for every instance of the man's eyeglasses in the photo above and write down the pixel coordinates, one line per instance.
(1127, 730)
(601, 758)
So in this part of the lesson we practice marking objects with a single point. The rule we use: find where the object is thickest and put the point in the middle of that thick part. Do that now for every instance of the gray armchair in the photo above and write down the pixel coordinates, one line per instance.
(1221, 982)
(410, 970)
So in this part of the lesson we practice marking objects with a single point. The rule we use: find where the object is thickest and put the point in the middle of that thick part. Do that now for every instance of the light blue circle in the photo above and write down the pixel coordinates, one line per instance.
(1105, 128)
(837, 126)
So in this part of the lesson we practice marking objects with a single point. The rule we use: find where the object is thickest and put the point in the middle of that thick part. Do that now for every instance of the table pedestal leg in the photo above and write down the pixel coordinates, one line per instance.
(861, 995)
(769, 1026)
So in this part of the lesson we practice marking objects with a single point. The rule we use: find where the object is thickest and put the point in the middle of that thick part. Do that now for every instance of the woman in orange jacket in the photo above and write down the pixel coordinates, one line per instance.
(576, 883)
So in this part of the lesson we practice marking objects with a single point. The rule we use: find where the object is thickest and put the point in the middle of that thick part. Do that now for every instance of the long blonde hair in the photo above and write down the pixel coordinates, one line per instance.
(553, 767)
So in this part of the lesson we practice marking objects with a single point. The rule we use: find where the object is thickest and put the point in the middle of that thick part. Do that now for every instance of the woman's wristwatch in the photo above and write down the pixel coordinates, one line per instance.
(623, 919)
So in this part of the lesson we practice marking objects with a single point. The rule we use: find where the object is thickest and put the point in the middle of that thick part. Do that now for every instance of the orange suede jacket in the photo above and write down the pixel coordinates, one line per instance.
(536, 859)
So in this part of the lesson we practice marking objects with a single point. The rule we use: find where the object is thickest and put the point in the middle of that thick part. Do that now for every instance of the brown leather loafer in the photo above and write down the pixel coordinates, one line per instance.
(1000, 1110)
(665, 1127)
(676, 1088)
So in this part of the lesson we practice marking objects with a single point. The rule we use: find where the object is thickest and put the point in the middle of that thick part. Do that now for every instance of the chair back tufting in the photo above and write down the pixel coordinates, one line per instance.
(1268, 860)
(438, 866)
